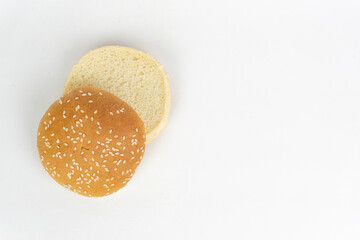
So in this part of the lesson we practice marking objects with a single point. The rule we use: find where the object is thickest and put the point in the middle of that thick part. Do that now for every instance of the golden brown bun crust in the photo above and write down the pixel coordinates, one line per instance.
(91, 142)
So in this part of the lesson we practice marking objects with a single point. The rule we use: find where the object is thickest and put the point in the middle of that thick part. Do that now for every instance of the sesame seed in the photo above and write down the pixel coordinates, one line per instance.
(84, 94)
(74, 116)
(90, 101)
(111, 113)
(95, 111)
(97, 132)
(110, 131)
(76, 98)
(68, 101)
(100, 93)
(89, 93)
(52, 134)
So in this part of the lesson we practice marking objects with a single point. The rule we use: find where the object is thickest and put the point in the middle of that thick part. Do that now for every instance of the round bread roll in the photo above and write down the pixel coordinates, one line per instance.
(134, 76)
(91, 142)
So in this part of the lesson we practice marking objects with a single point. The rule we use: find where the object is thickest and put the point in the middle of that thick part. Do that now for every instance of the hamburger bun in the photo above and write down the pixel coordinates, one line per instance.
(91, 142)
(134, 76)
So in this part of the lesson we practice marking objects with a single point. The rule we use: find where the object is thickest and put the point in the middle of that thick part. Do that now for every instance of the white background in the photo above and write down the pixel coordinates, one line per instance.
(263, 140)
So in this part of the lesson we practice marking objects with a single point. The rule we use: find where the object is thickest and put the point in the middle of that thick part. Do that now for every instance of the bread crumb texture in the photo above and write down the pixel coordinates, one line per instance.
(91, 142)
(134, 76)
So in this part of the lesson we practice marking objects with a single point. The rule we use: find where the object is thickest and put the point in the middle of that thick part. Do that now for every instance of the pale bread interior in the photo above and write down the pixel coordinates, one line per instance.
(134, 76)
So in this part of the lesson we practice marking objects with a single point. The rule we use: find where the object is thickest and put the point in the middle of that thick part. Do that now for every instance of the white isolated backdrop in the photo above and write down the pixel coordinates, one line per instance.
(263, 140)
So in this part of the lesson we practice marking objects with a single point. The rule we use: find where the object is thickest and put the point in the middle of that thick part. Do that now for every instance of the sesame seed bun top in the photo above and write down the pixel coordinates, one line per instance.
(91, 142)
